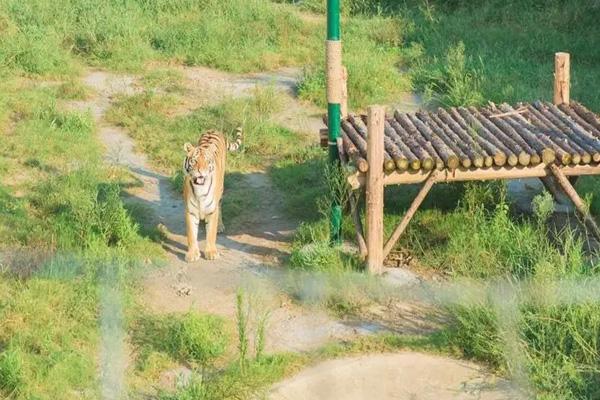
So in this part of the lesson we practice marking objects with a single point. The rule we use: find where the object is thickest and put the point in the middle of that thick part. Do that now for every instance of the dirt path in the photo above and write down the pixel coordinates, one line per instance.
(246, 262)
(401, 376)
(205, 286)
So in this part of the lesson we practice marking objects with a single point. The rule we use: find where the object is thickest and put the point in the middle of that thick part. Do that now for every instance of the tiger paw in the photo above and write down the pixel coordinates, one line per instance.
(192, 255)
(211, 254)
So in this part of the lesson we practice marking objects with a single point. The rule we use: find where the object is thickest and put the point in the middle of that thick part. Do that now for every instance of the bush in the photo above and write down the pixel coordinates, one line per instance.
(197, 338)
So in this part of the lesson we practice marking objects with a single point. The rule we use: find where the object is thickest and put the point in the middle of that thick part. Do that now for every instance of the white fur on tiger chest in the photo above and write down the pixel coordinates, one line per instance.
(204, 198)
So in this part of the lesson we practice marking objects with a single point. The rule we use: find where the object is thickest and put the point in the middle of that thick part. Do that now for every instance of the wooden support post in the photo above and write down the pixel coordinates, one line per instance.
(579, 204)
(562, 78)
(375, 150)
(344, 104)
(358, 226)
(562, 90)
(409, 214)
(354, 201)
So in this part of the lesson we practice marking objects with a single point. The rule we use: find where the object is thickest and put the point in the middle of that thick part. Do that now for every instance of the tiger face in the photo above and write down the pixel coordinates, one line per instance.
(197, 165)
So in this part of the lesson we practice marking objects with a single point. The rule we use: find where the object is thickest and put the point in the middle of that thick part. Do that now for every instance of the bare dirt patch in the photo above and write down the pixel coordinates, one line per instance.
(402, 376)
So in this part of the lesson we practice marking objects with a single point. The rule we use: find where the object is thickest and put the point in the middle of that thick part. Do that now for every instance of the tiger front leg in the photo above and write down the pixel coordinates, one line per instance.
(212, 225)
(191, 222)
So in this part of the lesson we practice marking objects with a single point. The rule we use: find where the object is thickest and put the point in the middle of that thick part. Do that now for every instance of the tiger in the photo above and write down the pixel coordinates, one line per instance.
(204, 174)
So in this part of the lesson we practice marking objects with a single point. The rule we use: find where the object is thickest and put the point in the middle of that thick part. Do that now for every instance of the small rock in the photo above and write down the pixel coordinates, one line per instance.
(400, 277)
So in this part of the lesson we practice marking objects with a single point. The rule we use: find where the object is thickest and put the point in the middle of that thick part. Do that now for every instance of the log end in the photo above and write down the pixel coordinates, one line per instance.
(415, 165)
(596, 157)
(565, 159)
(488, 161)
(548, 156)
(362, 165)
(586, 158)
(524, 159)
(466, 163)
(402, 164)
(427, 164)
(512, 160)
(389, 165)
(575, 159)
(500, 159)
(453, 162)
(535, 159)
(478, 162)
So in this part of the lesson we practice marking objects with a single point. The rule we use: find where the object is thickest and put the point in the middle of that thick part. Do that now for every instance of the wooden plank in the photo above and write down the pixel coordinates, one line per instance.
(572, 193)
(461, 174)
(409, 214)
(562, 78)
(374, 188)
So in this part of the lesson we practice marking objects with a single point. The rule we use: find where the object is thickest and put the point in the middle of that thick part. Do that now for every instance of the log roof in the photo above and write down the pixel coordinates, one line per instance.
(526, 134)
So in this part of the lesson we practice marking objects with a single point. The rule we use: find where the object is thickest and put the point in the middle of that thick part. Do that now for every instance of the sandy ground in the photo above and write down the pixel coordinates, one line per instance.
(247, 262)
(401, 376)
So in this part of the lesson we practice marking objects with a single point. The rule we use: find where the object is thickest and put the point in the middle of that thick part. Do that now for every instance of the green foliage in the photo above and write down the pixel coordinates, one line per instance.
(197, 338)
(11, 381)
(371, 56)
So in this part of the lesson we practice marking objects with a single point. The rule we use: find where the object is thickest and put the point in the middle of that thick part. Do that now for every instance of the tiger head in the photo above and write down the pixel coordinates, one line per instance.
(197, 165)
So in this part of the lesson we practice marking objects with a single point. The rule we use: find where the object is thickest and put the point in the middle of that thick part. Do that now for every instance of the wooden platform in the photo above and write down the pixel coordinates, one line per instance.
(492, 142)
(550, 141)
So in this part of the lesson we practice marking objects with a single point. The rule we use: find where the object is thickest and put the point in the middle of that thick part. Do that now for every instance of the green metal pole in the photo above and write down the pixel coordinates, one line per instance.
(334, 120)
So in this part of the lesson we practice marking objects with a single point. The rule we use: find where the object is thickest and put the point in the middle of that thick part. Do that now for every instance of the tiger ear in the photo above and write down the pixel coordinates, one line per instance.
(188, 148)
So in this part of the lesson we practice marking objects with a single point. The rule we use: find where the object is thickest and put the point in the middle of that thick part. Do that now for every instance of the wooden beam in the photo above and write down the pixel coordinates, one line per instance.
(409, 214)
(375, 186)
(358, 179)
(572, 193)
(562, 78)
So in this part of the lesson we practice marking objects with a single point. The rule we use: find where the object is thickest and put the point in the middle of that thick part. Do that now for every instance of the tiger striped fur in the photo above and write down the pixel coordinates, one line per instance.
(204, 174)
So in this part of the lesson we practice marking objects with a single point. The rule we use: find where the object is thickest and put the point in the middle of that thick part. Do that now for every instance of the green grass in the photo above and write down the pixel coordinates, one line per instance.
(63, 227)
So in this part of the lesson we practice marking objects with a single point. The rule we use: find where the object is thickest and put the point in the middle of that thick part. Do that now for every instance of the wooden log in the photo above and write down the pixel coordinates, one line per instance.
(594, 133)
(464, 133)
(487, 130)
(586, 114)
(472, 148)
(494, 155)
(555, 134)
(506, 131)
(409, 214)
(354, 154)
(564, 151)
(412, 131)
(449, 157)
(562, 78)
(547, 154)
(464, 152)
(574, 137)
(572, 194)
(375, 189)
(356, 123)
(584, 137)
(411, 158)
(517, 155)
(395, 151)
(426, 159)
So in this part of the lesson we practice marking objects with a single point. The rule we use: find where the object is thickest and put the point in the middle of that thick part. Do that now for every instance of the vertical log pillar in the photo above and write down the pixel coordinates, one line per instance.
(344, 92)
(562, 78)
(334, 98)
(375, 151)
